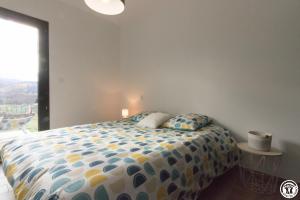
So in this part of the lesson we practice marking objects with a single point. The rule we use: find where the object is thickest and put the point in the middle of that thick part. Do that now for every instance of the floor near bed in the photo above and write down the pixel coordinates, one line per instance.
(229, 187)
(226, 187)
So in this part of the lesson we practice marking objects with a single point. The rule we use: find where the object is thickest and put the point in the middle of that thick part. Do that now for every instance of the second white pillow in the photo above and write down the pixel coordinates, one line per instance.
(154, 120)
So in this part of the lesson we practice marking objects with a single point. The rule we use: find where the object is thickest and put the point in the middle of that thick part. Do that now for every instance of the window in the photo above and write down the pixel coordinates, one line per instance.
(24, 72)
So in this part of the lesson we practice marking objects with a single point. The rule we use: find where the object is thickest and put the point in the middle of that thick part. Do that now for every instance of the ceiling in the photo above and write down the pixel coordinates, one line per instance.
(134, 9)
(82, 6)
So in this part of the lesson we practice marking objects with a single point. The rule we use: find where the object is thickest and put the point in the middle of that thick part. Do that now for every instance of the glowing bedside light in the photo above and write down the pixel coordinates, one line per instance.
(125, 113)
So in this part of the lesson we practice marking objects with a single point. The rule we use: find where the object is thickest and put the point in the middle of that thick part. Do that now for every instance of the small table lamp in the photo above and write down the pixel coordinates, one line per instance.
(125, 113)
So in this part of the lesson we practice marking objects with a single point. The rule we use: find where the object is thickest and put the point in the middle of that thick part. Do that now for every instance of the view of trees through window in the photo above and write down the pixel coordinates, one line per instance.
(19, 64)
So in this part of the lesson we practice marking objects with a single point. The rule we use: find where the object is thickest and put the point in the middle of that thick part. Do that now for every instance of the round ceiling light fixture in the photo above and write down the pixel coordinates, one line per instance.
(107, 7)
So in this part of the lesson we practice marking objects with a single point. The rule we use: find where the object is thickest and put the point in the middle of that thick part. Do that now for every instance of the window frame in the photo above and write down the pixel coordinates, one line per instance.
(43, 79)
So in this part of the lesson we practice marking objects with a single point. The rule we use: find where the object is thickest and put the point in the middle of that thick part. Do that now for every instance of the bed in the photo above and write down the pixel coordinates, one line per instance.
(117, 160)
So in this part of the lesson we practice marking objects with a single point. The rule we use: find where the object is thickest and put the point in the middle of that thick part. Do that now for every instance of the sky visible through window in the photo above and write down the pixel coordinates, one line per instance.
(18, 51)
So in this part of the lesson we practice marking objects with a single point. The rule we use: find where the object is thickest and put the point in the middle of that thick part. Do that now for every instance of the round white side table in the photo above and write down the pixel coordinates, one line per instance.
(253, 162)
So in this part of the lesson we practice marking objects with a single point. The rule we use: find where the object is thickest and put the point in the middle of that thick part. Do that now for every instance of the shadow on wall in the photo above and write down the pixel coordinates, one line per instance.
(236, 136)
(291, 154)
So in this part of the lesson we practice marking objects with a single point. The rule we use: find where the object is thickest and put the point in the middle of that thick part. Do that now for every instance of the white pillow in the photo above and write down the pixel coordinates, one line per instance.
(154, 120)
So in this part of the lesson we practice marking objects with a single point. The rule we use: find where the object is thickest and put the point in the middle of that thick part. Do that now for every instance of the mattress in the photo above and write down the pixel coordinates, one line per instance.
(117, 160)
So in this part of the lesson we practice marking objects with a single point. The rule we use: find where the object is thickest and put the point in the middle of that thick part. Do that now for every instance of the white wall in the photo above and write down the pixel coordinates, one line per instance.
(237, 61)
(84, 62)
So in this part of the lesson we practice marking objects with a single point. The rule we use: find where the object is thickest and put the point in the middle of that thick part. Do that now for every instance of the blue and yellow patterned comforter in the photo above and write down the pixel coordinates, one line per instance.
(117, 160)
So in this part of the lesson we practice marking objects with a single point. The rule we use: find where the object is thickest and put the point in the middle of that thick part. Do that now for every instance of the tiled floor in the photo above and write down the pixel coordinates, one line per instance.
(6, 192)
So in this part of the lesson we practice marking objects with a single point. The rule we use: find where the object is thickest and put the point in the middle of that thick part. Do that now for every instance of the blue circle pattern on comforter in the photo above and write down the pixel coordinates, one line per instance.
(117, 160)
